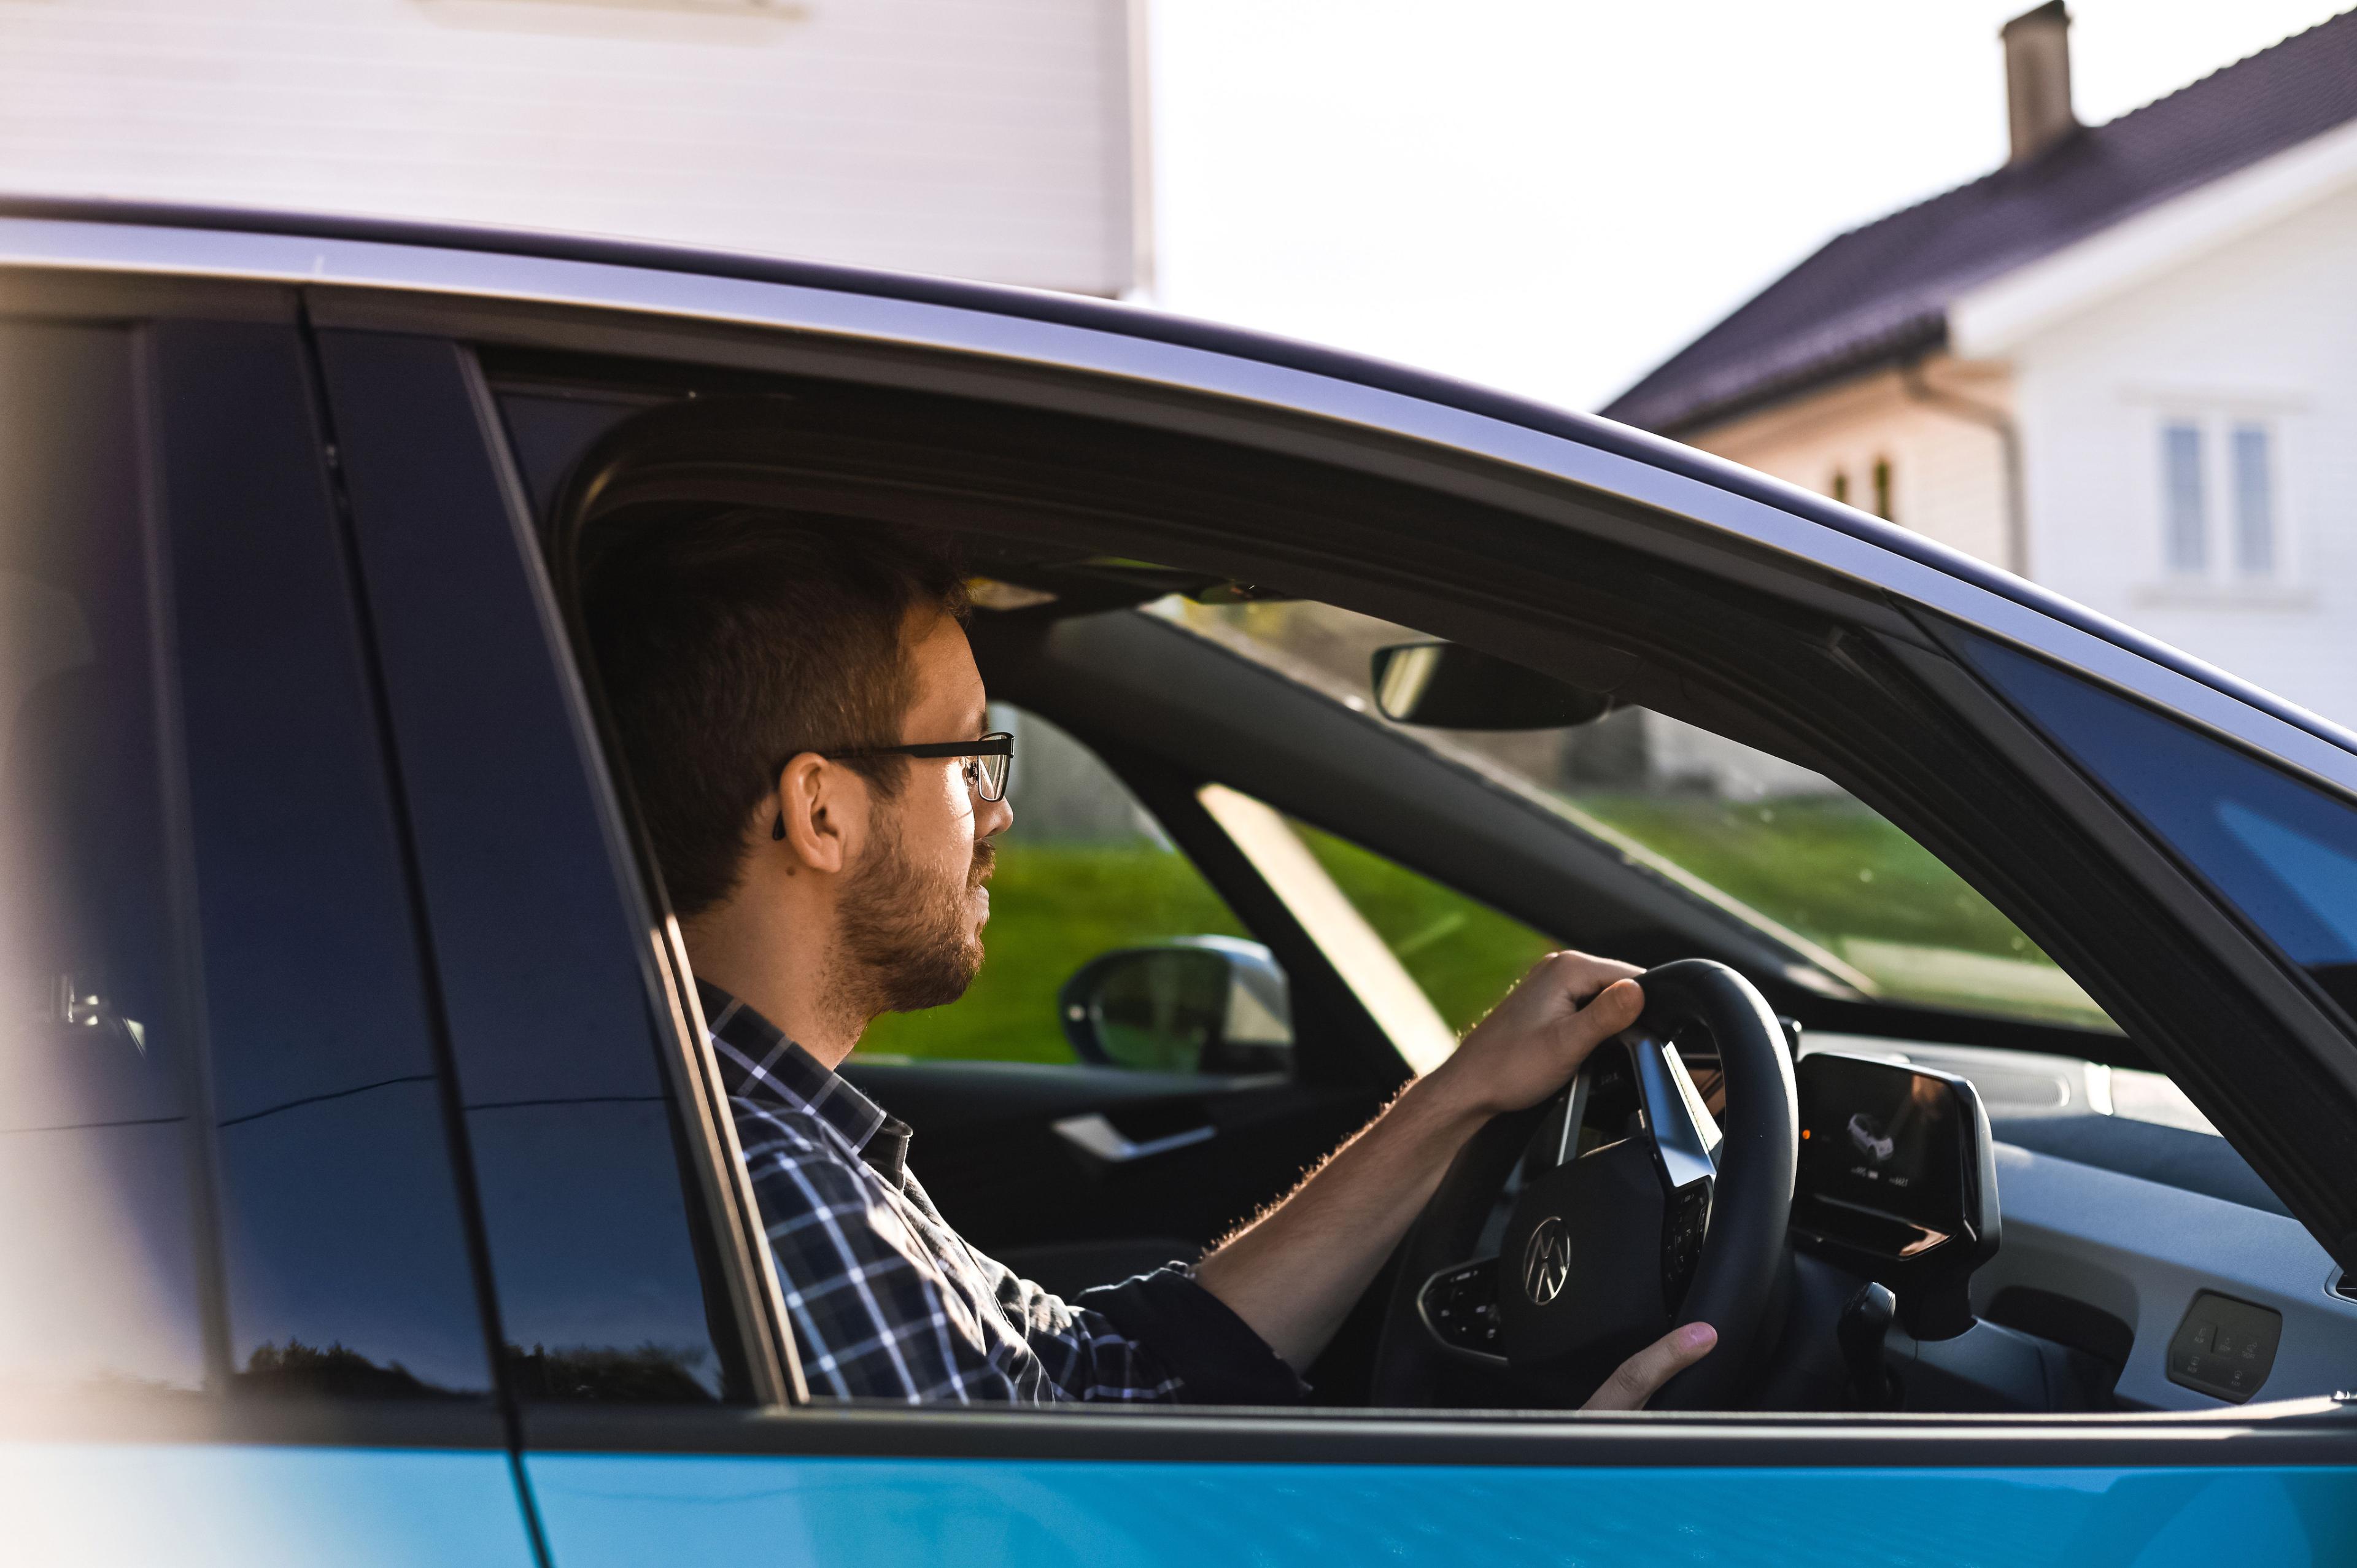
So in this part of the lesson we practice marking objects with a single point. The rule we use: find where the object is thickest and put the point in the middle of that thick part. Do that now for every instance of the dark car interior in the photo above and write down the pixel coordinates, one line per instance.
(1971, 1228)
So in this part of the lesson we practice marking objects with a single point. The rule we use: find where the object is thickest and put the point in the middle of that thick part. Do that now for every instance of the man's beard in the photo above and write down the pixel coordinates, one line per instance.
(907, 941)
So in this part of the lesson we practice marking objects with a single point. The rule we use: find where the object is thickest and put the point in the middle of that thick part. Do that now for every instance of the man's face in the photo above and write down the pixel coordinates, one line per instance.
(912, 912)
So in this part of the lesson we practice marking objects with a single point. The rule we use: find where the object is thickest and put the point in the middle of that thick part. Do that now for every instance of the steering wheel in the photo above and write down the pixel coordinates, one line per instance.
(1634, 1212)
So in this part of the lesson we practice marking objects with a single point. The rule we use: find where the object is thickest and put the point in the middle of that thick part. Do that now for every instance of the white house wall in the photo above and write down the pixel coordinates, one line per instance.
(2264, 329)
(988, 139)
(1947, 471)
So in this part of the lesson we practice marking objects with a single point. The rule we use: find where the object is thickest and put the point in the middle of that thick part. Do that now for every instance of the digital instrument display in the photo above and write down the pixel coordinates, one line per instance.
(1882, 1136)
(1897, 1182)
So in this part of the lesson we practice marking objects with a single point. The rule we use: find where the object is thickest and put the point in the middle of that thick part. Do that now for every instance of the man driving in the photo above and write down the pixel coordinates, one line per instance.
(804, 725)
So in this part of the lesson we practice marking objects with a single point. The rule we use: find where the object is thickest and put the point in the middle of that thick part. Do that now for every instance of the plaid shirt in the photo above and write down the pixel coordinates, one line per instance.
(886, 1300)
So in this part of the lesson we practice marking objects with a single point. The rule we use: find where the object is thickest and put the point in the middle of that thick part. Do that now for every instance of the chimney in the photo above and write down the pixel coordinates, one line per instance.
(2038, 79)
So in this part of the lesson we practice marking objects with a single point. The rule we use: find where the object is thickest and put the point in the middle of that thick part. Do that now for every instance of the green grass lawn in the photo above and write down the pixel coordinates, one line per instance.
(1833, 870)
(1824, 865)
(1465, 955)
(1829, 868)
(1053, 907)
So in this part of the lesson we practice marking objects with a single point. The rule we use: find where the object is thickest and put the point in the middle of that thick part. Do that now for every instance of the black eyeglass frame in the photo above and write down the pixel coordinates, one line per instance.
(998, 743)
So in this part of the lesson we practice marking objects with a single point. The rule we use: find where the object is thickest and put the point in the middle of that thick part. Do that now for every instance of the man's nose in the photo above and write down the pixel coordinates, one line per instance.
(992, 818)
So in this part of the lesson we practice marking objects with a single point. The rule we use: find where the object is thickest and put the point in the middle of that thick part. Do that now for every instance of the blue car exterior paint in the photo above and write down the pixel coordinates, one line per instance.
(239, 1506)
(626, 1512)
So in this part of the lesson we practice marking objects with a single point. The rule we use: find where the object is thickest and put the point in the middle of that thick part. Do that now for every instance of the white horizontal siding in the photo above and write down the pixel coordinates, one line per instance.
(979, 138)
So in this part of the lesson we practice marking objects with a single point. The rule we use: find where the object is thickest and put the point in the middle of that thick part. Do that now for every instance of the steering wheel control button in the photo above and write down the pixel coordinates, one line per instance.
(1460, 1307)
(2224, 1347)
(1683, 1226)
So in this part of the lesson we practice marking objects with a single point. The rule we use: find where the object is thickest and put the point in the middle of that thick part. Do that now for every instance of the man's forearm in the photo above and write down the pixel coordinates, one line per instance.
(1294, 1274)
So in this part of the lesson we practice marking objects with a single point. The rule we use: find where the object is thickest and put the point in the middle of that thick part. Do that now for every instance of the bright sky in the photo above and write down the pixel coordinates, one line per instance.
(1551, 196)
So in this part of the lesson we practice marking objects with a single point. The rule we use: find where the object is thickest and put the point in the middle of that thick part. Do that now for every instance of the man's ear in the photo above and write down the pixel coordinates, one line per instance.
(820, 813)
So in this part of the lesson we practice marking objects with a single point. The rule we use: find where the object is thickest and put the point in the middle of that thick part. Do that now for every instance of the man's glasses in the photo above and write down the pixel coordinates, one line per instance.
(988, 760)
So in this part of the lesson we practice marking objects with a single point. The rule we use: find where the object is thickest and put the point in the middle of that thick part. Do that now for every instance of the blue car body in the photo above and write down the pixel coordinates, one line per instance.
(261, 1505)
(525, 913)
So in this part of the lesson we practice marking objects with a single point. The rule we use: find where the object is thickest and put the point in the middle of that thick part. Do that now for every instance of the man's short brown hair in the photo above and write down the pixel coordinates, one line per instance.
(730, 641)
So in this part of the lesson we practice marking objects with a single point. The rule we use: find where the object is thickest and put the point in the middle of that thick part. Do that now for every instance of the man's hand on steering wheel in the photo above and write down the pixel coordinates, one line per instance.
(1676, 1221)
(1529, 1047)
(1635, 1379)
(1533, 1041)
(1293, 1274)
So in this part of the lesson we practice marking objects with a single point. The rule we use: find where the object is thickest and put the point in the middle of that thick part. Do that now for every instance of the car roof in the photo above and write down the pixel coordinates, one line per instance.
(1121, 320)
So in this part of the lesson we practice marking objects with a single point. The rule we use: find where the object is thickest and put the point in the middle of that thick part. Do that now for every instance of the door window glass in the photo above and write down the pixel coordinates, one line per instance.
(1426, 962)
(1462, 955)
(98, 1257)
(2255, 520)
(1775, 844)
(345, 1261)
(2283, 851)
(2187, 529)
(1083, 871)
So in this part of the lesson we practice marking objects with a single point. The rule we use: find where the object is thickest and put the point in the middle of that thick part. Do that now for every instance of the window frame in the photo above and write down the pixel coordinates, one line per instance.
(1902, 641)
(2216, 424)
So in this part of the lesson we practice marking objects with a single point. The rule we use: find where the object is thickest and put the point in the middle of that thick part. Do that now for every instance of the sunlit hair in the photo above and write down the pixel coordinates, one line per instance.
(730, 642)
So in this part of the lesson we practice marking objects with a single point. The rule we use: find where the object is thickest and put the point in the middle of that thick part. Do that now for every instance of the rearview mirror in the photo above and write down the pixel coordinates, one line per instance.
(1197, 1005)
(1446, 685)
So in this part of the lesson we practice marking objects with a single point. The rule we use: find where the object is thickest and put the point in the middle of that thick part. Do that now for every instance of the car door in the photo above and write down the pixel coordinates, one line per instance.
(238, 1303)
(614, 1478)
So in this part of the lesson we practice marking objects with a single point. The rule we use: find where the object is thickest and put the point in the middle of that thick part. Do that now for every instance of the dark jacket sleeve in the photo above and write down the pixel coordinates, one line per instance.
(1217, 1356)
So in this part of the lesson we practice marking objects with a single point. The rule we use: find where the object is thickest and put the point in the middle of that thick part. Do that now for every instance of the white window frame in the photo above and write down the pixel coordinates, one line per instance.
(2221, 577)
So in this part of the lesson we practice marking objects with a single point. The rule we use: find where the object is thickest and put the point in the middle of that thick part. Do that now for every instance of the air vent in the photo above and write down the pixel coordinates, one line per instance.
(2344, 1287)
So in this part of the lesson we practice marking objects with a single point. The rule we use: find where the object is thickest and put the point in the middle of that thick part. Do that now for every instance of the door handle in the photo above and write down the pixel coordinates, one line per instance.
(1100, 1139)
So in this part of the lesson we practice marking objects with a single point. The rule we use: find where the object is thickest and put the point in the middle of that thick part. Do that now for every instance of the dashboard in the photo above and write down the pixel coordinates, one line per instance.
(2124, 1231)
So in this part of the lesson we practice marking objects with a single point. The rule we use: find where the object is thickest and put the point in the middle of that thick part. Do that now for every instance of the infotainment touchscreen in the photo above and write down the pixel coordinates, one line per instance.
(1884, 1137)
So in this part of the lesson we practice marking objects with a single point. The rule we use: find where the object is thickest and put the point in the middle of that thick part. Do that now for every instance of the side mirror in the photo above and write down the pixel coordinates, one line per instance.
(1446, 686)
(1197, 1005)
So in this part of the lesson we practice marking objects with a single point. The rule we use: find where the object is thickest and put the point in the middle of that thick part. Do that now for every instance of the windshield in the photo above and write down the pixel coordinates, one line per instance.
(1775, 844)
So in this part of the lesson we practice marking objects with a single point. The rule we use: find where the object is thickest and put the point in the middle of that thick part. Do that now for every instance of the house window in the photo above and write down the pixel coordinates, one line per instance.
(1882, 489)
(2187, 538)
(1841, 486)
(2220, 516)
(2255, 508)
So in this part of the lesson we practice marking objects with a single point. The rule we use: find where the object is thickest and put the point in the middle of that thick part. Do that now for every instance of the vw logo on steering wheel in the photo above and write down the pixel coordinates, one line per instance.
(1546, 1262)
